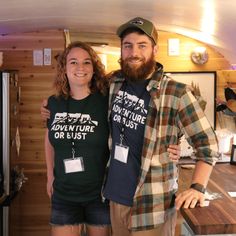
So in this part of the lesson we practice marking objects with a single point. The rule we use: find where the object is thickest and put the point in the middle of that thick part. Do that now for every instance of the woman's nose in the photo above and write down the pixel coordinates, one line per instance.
(80, 66)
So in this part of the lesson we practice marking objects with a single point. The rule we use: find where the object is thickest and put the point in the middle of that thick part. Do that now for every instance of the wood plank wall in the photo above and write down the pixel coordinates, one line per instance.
(32, 204)
(35, 82)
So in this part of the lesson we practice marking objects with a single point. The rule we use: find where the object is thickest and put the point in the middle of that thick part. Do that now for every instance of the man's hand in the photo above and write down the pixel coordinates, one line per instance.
(45, 113)
(189, 199)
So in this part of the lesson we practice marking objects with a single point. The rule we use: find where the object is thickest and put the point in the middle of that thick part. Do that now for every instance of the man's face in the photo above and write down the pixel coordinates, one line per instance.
(137, 56)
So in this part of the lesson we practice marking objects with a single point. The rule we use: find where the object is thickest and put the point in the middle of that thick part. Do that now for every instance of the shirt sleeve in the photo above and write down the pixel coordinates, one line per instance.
(197, 129)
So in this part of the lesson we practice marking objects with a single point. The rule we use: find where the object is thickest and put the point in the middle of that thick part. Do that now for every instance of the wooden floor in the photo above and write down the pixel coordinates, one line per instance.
(30, 212)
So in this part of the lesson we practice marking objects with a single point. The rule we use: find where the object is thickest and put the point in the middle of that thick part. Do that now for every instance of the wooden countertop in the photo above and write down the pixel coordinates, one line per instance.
(220, 216)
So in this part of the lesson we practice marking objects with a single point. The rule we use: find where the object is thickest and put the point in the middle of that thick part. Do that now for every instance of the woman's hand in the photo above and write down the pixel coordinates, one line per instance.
(50, 186)
(174, 152)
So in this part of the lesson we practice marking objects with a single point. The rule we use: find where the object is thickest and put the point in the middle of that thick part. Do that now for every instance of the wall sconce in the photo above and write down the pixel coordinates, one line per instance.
(199, 55)
(67, 37)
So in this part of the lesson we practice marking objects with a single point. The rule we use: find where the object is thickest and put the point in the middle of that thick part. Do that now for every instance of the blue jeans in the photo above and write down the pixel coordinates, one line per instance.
(94, 212)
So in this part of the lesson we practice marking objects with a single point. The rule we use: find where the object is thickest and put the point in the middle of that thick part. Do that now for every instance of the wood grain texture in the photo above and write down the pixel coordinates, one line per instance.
(220, 216)
(35, 205)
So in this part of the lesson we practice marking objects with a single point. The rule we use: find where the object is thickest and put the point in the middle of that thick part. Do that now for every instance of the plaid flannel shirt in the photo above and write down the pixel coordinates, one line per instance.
(173, 111)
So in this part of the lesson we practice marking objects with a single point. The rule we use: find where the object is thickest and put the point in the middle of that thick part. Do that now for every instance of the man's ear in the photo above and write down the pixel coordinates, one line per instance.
(155, 49)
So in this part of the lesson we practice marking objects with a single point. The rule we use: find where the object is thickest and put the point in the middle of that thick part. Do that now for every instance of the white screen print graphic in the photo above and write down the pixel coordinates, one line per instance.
(72, 125)
(129, 110)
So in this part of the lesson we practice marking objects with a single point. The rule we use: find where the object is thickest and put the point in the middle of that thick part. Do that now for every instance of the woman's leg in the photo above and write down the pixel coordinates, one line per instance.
(66, 218)
(98, 218)
(67, 230)
(98, 230)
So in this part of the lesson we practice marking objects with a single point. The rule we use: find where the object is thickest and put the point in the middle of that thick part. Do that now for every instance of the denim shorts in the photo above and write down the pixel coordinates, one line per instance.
(94, 212)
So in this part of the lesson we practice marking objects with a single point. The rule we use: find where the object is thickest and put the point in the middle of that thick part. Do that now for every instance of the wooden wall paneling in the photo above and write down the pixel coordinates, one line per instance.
(35, 83)
(33, 40)
(35, 205)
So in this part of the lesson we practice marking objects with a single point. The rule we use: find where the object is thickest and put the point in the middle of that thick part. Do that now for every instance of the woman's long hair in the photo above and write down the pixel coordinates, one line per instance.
(98, 81)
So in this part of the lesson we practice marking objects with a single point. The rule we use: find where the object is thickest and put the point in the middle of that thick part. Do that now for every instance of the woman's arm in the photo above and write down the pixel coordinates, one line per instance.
(49, 154)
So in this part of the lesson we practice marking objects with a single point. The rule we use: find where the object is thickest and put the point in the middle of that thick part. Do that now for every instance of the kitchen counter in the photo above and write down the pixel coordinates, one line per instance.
(220, 216)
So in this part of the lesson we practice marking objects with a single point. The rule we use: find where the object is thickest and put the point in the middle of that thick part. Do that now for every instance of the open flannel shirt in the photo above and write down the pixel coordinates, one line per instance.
(173, 111)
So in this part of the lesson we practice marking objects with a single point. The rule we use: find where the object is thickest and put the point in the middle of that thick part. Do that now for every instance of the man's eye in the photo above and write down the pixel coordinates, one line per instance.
(142, 46)
(127, 46)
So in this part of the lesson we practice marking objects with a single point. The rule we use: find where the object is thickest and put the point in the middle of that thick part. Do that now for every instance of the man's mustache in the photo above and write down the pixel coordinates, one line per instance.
(134, 59)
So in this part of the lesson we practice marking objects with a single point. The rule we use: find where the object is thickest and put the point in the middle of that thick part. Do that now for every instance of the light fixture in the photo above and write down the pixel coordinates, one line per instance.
(67, 37)
(199, 55)
(97, 44)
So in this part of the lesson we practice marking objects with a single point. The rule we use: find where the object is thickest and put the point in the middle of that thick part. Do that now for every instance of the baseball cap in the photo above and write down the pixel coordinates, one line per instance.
(144, 25)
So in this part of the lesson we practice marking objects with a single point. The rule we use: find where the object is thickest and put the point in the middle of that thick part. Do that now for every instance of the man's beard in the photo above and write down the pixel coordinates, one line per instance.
(137, 73)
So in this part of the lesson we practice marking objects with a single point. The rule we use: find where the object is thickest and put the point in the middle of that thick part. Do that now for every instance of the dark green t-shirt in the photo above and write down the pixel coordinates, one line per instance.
(83, 122)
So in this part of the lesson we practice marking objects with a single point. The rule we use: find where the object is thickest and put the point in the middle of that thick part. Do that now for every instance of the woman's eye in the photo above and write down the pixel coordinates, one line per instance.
(87, 62)
(73, 62)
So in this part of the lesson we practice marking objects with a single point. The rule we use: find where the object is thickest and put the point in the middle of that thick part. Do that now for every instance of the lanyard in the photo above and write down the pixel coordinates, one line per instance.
(123, 123)
(67, 122)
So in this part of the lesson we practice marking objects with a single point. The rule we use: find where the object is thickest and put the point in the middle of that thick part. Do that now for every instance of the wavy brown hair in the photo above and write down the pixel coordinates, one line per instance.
(98, 81)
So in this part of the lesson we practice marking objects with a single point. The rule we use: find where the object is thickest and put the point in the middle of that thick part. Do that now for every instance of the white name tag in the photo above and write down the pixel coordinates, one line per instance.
(121, 153)
(74, 165)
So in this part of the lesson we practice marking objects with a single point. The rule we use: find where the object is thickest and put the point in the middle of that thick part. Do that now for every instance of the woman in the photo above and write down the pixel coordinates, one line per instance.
(76, 144)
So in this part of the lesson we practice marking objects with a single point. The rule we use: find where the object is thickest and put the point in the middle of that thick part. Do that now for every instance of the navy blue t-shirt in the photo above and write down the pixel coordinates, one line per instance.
(129, 111)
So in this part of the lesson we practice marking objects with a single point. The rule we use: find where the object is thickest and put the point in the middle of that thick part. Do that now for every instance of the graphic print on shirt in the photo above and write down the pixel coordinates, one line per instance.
(129, 110)
(74, 126)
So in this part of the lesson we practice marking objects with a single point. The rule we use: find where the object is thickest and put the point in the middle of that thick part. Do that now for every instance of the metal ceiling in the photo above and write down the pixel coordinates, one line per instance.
(210, 21)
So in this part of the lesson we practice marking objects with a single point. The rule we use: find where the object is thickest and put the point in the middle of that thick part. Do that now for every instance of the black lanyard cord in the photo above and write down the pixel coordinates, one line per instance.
(129, 116)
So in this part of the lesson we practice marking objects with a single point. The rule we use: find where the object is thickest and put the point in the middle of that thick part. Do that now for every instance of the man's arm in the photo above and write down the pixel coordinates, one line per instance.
(45, 113)
(191, 196)
(201, 136)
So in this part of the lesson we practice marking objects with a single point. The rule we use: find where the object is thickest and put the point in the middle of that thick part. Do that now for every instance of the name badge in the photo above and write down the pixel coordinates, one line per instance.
(74, 165)
(121, 153)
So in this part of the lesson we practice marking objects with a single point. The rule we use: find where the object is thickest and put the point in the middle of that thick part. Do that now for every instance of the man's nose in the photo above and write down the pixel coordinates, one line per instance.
(134, 51)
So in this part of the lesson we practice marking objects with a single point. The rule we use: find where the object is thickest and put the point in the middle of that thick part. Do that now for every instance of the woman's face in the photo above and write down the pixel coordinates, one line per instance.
(79, 68)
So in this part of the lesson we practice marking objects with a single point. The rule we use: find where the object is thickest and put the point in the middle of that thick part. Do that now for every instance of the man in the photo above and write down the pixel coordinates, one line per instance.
(148, 112)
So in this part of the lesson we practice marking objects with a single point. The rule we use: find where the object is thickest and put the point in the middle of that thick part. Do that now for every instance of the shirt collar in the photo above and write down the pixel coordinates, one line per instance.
(156, 78)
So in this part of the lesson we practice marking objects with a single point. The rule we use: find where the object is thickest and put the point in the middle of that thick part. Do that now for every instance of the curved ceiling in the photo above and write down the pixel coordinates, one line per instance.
(210, 21)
